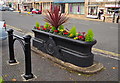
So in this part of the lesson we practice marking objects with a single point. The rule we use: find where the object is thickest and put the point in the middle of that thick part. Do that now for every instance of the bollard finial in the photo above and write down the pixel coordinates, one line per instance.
(10, 30)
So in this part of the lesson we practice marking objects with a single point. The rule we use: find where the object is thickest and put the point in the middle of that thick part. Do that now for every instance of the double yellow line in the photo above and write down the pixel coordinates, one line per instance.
(105, 52)
(93, 49)
(17, 29)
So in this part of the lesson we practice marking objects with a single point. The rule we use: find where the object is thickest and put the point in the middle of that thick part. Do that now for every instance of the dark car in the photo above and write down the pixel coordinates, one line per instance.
(36, 11)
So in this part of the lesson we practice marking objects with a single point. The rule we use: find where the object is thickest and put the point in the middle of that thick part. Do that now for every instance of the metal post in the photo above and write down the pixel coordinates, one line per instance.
(11, 47)
(114, 13)
(27, 51)
(117, 21)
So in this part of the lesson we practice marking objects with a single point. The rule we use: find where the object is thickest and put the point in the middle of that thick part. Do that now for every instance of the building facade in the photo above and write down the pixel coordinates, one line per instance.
(108, 7)
(71, 6)
(43, 5)
(17, 4)
(85, 8)
(27, 4)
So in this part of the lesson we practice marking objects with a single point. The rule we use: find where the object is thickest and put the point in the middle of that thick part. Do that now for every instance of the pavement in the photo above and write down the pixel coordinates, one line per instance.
(84, 18)
(46, 70)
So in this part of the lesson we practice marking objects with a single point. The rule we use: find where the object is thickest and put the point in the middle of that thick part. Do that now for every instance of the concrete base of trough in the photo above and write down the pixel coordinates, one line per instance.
(96, 67)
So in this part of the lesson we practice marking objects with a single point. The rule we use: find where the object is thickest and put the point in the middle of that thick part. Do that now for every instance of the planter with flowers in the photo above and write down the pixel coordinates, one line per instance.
(67, 45)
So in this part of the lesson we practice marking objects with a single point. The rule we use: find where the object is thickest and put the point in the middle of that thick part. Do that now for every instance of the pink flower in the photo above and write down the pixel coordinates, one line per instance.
(42, 26)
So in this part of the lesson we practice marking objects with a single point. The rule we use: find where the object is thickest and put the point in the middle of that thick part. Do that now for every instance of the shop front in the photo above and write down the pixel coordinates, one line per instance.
(76, 8)
(93, 11)
(46, 5)
(61, 5)
(112, 8)
(71, 6)
(43, 5)
(112, 12)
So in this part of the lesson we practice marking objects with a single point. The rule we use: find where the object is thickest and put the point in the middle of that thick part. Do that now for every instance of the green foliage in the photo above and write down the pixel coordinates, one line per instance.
(53, 28)
(37, 24)
(60, 33)
(73, 31)
(47, 25)
(89, 36)
(1, 80)
(61, 28)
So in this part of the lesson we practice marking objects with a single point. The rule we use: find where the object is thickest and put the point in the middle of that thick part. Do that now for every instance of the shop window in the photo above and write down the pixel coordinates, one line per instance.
(76, 8)
(93, 10)
(112, 10)
(46, 6)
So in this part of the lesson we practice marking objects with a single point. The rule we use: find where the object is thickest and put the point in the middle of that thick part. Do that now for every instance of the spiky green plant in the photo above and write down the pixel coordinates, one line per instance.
(89, 36)
(73, 31)
(37, 24)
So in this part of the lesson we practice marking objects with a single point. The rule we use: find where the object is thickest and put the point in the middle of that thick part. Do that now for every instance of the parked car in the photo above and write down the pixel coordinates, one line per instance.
(6, 9)
(2, 8)
(11, 9)
(36, 11)
(3, 33)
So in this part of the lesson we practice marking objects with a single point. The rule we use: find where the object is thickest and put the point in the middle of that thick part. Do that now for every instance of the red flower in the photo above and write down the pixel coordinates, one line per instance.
(65, 33)
(44, 29)
(56, 31)
(80, 37)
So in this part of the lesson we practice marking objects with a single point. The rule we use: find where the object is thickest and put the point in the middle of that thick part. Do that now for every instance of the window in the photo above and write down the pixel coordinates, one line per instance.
(92, 10)
(112, 10)
(76, 8)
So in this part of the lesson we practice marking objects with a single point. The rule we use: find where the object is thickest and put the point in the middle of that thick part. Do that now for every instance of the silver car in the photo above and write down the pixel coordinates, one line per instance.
(3, 33)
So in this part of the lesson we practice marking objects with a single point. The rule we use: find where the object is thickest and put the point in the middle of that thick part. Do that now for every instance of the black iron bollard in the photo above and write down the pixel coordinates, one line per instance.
(117, 21)
(27, 51)
(11, 47)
